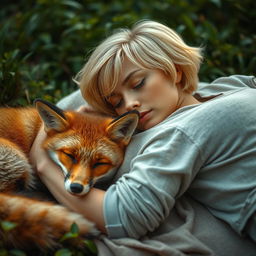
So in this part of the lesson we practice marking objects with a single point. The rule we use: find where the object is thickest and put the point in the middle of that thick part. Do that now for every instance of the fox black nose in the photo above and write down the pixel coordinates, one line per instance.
(76, 188)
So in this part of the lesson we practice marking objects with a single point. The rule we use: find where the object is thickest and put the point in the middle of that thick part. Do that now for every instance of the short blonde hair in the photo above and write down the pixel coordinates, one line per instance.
(149, 45)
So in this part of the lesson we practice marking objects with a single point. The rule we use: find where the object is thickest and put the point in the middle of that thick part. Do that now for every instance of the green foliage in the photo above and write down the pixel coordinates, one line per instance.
(7, 225)
(78, 247)
(44, 43)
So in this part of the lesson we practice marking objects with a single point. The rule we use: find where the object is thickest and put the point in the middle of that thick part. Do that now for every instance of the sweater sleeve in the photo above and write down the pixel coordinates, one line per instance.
(141, 199)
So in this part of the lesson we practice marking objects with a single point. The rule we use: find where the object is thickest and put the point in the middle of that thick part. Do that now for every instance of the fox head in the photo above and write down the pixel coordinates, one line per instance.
(88, 147)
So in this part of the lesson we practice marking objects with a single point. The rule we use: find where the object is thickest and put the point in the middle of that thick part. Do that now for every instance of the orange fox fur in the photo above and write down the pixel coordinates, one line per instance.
(87, 146)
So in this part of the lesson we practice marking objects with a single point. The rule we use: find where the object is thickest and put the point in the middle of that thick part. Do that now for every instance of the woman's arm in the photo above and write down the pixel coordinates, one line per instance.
(90, 205)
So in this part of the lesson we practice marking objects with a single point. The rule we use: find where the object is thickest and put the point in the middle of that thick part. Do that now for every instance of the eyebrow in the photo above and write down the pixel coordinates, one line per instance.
(129, 76)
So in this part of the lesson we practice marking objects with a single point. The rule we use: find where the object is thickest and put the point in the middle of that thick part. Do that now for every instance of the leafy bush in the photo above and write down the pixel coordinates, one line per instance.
(43, 43)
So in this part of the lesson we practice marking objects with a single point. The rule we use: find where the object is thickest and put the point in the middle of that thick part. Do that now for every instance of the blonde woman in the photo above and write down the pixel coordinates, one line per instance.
(187, 150)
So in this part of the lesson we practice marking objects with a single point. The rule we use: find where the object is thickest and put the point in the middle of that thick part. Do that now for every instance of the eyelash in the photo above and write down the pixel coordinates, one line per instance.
(136, 87)
(140, 84)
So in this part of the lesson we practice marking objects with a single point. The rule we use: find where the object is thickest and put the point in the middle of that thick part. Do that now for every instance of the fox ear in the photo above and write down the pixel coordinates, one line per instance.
(123, 127)
(52, 116)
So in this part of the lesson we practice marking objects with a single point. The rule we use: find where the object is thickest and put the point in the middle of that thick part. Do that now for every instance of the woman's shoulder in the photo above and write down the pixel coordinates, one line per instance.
(225, 84)
(211, 118)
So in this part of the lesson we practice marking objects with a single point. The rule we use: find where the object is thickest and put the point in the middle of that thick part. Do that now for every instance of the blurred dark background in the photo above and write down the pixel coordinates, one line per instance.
(44, 43)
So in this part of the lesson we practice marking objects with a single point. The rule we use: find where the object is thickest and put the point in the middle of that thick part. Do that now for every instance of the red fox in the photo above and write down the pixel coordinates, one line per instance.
(87, 146)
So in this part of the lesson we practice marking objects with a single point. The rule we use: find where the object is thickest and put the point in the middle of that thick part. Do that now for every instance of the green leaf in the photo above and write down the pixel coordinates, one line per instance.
(72, 4)
(16, 252)
(76, 27)
(217, 2)
(68, 235)
(8, 225)
(15, 53)
(91, 246)
(74, 228)
(63, 252)
(74, 233)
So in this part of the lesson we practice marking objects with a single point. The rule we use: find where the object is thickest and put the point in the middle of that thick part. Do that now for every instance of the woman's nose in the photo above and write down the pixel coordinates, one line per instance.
(132, 104)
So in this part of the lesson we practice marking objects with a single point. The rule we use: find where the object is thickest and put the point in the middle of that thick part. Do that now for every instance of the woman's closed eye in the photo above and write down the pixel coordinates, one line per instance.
(117, 101)
(140, 84)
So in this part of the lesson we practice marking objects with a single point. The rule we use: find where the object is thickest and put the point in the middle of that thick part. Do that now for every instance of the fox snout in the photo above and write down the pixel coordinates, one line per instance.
(81, 185)
(77, 188)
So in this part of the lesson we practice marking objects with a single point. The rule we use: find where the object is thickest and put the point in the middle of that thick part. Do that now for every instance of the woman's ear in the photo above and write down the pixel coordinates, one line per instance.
(178, 74)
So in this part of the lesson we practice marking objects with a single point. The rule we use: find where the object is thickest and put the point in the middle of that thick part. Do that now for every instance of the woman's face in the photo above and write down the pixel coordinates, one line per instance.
(148, 91)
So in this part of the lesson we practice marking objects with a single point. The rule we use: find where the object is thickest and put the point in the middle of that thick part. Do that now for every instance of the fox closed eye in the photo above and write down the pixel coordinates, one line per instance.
(97, 164)
(73, 159)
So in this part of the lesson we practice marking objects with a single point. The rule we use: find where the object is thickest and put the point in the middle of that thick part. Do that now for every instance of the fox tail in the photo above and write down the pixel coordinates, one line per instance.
(38, 224)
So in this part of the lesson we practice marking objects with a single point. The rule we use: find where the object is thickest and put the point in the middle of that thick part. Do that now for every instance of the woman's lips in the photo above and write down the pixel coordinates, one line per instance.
(144, 116)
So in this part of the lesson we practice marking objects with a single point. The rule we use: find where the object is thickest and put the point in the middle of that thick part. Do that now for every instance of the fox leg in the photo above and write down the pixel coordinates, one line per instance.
(15, 170)
(39, 224)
